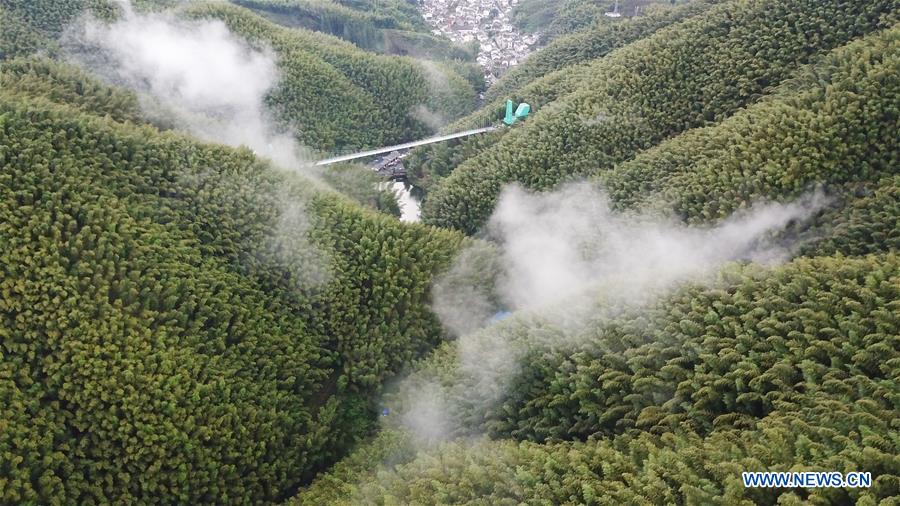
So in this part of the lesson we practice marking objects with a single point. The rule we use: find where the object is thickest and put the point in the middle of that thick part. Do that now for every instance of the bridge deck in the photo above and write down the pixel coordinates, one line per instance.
(408, 145)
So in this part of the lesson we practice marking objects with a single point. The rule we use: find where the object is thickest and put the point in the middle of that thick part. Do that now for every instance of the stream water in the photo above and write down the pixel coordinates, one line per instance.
(410, 210)
(409, 204)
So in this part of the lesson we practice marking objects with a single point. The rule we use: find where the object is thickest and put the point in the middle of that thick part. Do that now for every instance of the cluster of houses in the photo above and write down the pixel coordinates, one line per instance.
(501, 45)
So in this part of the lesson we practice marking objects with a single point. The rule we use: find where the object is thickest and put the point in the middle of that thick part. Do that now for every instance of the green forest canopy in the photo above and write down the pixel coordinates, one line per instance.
(183, 323)
(787, 369)
(693, 73)
(791, 368)
(334, 95)
(545, 76)
(555, 19)
(393, 26)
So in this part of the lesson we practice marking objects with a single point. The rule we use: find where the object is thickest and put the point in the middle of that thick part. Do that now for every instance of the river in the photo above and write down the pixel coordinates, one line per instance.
(410, 209)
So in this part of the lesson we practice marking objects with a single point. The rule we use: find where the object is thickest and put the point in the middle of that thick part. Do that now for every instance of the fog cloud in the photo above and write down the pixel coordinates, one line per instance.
(194, 73)
(564, 258)
(432, 119)
(199, 77)
(427, 417)
(561, 244)
(553, 249)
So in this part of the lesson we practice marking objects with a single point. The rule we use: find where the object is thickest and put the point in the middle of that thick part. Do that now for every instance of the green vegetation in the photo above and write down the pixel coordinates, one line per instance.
(385, 27)
(554, 19)
(768, 341)
(834, 123)
(333, 94)
(427, 165)
(17, 38)
(696, 72)
(544, 77)
(180, 322)
(590, 44)
(360, 183)
(403, 11)
(786, 369)
(183, 323)
(358, 99)
(66, 84)
(50, 17)
(865, 219)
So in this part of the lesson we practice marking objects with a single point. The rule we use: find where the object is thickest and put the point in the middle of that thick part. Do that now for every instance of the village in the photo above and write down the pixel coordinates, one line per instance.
(501, 45)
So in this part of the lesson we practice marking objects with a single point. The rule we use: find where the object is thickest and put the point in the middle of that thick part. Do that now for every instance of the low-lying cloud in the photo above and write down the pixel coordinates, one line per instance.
(197, 76)
(562, 244)
(553, 248)
(194, 73)
(562, 259)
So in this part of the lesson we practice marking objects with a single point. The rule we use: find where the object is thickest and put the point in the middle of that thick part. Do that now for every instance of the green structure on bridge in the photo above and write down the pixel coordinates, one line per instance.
(521, 112)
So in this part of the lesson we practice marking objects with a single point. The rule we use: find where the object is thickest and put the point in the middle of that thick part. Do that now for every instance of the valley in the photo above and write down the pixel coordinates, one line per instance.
(683, 265)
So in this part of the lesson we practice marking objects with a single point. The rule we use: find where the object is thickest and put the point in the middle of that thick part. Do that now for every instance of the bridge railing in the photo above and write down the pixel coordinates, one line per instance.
(345, 151)
(404, 146)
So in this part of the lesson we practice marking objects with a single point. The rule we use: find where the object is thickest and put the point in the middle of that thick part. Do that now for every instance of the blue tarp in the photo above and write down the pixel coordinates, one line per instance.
(500, 315)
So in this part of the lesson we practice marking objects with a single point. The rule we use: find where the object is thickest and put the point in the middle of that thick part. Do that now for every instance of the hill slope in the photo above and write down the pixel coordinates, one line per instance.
(589, 44)
(181, 322)
(334, 95)
(777, 369)
(545, 76)
(755, 400)
(698, 71)
(393, 27)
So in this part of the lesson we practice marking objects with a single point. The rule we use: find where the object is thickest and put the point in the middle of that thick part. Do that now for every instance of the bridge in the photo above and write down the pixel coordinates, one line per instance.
(407, 145)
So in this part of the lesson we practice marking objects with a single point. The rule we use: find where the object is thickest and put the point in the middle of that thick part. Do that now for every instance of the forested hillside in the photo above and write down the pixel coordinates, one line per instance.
(688, 75)
(50, 17)
(44, 78)
(592, 43)
(392, 26)
(833, 124)
(554, 19)
(29, 27)
(181, 322)
(779, 370)
(359, 99)
(544, 77)
(788, 368)
(161, 296)
(684, 264)
(334, 95)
